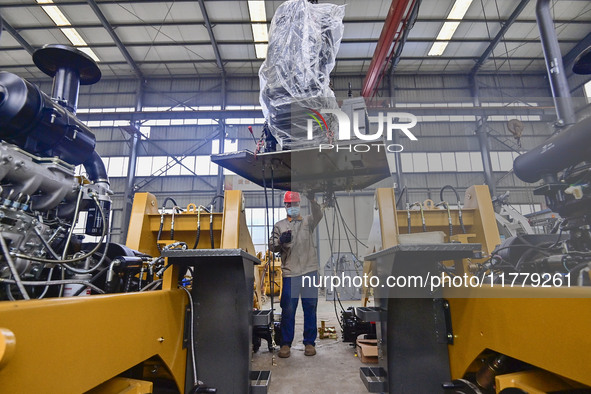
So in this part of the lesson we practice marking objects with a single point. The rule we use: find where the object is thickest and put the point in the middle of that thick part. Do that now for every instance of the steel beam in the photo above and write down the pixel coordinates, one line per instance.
(214, 44)
(345, 41)
(115, 38)
(495, 41)
(248, 22)
(219, 114)
(16, 35)
(342, 59)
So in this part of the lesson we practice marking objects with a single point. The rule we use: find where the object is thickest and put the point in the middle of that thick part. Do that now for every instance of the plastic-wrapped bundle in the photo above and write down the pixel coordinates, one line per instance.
(303, 43)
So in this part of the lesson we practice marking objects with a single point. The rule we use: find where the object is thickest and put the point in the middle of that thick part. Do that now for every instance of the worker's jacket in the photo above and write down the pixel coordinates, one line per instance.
(298, 257)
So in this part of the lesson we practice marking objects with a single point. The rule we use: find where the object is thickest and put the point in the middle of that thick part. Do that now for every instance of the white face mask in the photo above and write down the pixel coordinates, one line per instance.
(293, 211)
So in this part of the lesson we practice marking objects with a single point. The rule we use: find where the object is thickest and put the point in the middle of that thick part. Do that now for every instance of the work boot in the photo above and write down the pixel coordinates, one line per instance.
(310, 350)
(284, 352)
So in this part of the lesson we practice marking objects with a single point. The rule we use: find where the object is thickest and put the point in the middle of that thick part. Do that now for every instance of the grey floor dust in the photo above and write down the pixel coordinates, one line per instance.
(334, 369)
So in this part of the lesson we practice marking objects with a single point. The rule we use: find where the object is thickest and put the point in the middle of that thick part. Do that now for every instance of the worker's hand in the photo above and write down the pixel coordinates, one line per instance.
(285, 237)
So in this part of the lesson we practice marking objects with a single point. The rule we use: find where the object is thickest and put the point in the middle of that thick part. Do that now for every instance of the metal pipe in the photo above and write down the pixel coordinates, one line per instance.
(66, 84)
(131, 168)
(554, 65)
(17, 279)
(400, 179)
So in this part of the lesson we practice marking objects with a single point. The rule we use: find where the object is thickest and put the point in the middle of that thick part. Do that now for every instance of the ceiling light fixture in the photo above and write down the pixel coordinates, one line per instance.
(457, 13)
(71, 34)
(258, 17)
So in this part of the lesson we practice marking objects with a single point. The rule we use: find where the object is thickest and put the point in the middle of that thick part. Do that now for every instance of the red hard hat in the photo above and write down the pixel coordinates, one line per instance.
(291, 197)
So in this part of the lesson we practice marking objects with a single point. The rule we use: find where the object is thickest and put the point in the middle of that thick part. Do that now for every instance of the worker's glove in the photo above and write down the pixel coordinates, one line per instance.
(285, 237)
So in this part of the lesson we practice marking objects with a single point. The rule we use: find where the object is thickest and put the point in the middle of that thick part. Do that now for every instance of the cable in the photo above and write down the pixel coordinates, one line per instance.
(330, 241)
(196, 381)
(211, 229)
(12, 266)
(346, 226)
(404, 191)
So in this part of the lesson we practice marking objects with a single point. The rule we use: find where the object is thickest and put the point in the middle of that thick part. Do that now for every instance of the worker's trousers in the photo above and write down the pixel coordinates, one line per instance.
(293, 288)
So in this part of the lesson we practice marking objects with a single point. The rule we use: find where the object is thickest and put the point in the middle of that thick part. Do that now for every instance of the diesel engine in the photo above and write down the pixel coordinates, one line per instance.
(42, 199)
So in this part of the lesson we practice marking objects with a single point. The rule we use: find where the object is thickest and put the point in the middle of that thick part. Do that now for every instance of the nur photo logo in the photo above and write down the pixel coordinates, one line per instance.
(382, 127)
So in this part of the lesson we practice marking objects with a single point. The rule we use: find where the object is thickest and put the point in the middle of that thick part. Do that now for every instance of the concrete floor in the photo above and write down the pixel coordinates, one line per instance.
(334, 369)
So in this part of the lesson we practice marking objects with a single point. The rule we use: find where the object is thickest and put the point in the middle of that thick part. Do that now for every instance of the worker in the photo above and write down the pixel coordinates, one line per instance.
(292, 238)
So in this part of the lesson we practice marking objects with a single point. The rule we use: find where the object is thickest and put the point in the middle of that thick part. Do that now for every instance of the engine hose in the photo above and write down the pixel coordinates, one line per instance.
(198, 236)
(423, 218)
(95, 168)
(55, 283)
(160, 231)
(172, 225)
(458, 202)
(198, 227)
(47, 287)
(166, 200)
(449, 220)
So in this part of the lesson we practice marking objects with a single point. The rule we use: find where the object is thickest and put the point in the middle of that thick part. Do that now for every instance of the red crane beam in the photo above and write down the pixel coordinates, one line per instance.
(394, 19)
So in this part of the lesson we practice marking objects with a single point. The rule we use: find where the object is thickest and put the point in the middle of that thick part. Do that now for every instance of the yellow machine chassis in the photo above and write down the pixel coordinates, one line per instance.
(73, 345)
(547, 328)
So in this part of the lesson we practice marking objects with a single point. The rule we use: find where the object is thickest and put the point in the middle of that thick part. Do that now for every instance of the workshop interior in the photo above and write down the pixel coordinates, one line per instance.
(147, 146)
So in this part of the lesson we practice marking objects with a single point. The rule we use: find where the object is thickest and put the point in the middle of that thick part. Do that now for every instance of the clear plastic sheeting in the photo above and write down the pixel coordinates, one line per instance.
(303, 43)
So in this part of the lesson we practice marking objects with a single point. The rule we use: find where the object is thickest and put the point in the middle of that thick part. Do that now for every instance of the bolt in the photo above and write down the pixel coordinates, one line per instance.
(161, 339)
(449, 336)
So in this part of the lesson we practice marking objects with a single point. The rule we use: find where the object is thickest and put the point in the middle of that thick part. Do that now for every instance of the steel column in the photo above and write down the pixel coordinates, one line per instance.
(222, 137)
(130, 180)
(489, 177)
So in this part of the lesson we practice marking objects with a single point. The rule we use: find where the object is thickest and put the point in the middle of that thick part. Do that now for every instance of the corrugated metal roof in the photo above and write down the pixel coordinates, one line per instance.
(169, 38)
